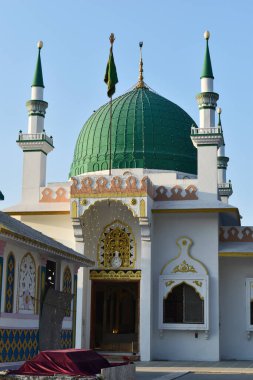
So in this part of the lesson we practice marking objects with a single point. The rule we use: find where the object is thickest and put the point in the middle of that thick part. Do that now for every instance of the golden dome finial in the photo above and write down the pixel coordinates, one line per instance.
(140, 83)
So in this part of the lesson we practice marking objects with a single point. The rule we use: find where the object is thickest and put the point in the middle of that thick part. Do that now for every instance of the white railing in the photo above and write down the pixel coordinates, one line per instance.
(206, 131)
(226, 185)
(35, 136)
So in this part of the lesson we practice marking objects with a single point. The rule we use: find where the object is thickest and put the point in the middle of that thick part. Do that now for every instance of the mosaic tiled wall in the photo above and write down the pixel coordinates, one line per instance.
(20, 345)
(66, 339)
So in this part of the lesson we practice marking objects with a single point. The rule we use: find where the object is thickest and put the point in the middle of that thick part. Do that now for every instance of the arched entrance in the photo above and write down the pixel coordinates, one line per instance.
(112, 235)
(115, 316)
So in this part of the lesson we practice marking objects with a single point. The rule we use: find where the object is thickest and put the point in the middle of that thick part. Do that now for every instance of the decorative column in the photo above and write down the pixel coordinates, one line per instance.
(81, 307)
(207, 138)
(145, 291)
(2, 246)
(74, 309)
(42, 281)
(35, 144)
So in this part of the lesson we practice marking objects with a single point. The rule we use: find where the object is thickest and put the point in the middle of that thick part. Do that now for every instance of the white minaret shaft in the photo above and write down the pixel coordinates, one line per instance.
(222, 164)
(224, 188)
(35, 144)
(207, 138)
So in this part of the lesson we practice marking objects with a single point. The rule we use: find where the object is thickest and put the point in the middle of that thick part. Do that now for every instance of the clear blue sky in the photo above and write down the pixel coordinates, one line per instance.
(76, 46)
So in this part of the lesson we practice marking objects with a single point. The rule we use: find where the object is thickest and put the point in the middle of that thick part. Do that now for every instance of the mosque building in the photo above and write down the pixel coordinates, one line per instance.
(149, 204)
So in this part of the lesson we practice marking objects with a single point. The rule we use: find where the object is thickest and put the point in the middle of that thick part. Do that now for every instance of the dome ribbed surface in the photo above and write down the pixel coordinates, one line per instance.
(148, 131)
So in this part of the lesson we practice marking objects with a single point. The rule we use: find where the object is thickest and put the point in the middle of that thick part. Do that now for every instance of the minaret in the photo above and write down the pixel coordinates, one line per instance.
(207, 138)
(224, 188)
(35, 144)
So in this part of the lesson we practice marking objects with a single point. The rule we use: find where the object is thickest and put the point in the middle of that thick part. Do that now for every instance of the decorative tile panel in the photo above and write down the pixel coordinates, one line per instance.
(18, 345)
(66, 288)
(9, 290)
(66, 339)
(27, 284)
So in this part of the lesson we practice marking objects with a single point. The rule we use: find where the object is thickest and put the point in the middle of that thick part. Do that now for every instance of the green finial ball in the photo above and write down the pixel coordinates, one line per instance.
(206, 35)
(40, 44)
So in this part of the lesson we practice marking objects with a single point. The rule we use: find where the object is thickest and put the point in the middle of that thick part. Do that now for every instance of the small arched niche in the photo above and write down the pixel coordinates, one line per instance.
(183, 291)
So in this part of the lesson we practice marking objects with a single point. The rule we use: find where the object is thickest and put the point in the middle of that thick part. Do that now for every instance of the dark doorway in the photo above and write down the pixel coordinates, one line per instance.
(115, 316)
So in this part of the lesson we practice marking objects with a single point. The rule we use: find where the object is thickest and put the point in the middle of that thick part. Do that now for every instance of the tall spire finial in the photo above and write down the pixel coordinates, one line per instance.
(112, 38)
(140, 83)
(38, 77)
(207, 71)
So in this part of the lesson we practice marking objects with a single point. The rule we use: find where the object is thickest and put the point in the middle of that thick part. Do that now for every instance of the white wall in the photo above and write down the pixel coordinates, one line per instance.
(203, 230)
(233, 274)
(207, 169)
(58, 227)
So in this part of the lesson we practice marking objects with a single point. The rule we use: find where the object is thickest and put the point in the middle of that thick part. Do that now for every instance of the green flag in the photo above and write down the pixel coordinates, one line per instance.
(111, 77)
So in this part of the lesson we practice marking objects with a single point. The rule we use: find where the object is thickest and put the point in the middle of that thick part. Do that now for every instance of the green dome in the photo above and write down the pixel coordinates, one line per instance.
(148, 131)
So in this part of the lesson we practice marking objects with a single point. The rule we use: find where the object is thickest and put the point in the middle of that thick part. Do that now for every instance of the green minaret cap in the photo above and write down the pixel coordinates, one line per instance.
(38, 77)
(207, 71)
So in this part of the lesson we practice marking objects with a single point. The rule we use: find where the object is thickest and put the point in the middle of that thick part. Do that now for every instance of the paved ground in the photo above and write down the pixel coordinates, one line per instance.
(168, 370)
(194, 376)
(191, 376)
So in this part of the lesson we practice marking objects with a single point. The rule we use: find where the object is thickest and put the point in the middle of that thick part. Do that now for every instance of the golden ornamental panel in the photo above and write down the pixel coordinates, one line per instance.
(117, 239)
(115, 275)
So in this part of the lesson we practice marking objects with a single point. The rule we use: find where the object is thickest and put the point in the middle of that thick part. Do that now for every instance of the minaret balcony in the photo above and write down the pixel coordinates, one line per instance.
(225, 189)
(36, 107)
(207, 136)
(35, 142)
(207, 100)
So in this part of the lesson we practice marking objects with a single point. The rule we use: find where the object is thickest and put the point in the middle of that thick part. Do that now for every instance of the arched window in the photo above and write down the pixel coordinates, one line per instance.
(9, 290)
(27, 284)
(183, 291)
(67, 287)
(183, 305)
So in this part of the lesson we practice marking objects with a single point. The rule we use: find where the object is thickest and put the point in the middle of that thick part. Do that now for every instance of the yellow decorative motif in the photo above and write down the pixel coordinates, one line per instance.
(117, 237)
(115, 275)
(198, 283)
(142, 208)
(117, 240)
(74, 209)
(43, 281)
(37, 304)
(133, 202)
(168, 283)
(184, 267)
(84, 202)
